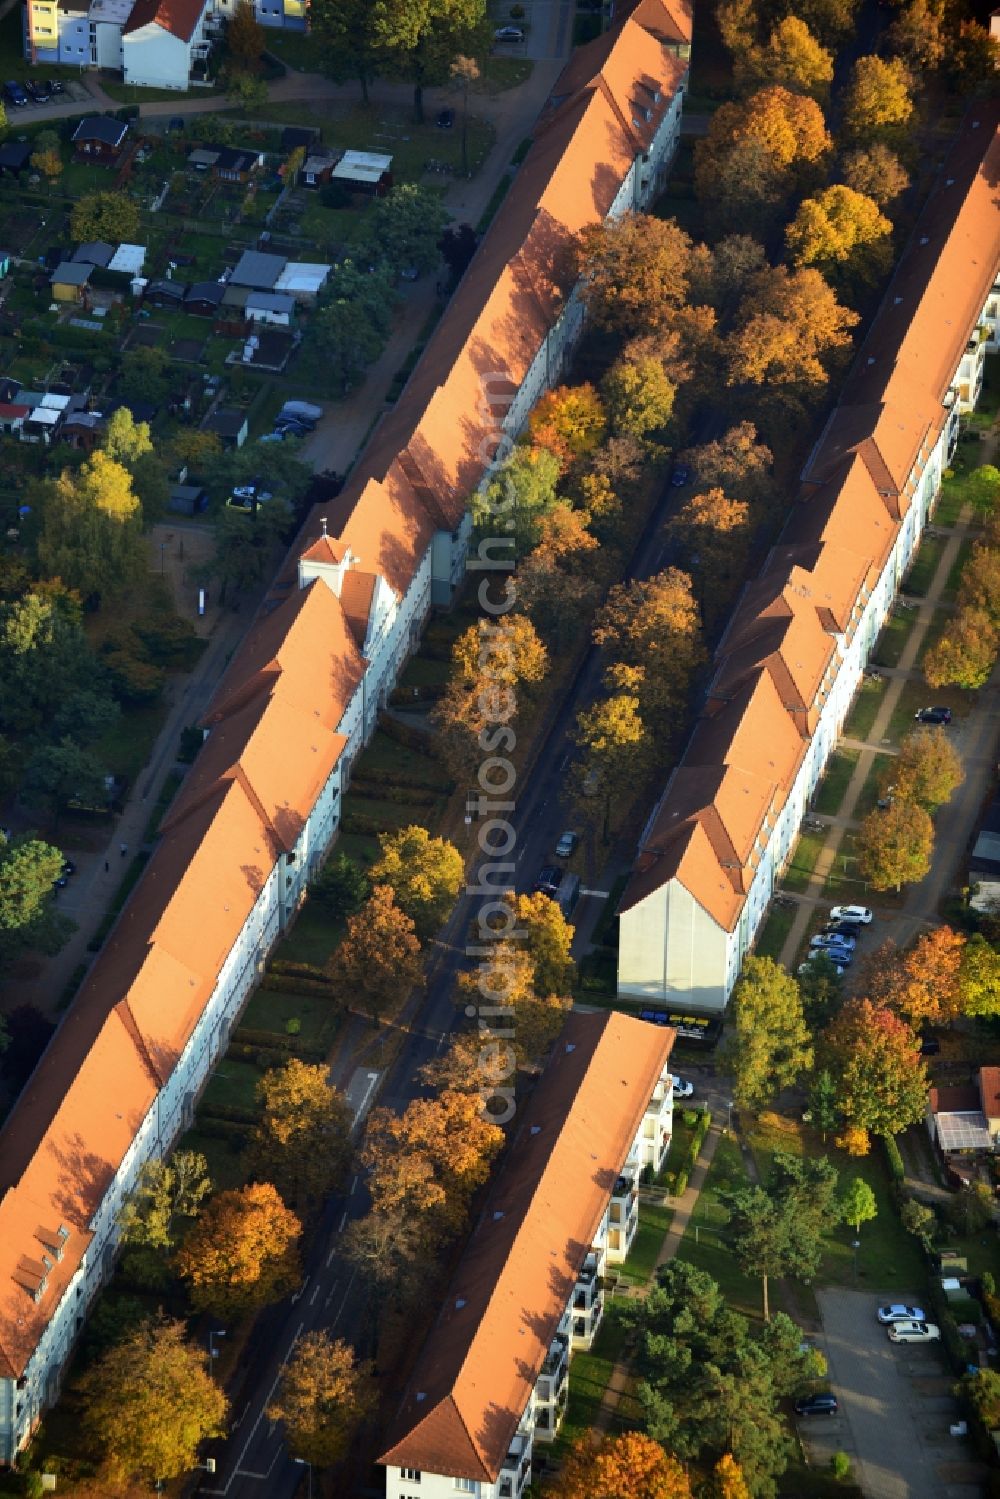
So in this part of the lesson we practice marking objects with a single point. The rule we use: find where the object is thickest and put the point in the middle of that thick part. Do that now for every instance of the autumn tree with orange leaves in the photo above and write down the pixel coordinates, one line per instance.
(378, 962)
(652, 625)
(630, 1466)
(714, 532)
(894, 846)
(636, 273)
(302, 1142)
(569, 421)
(790, 333)
(323, 1397)
(728, 1481)
(756, 154)
(241, 1254)
(555, 582)
(875, 1060)
(923, 982)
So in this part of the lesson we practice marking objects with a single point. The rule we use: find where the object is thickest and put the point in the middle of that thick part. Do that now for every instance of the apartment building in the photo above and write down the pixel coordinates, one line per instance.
(491, 1380)
(792, 657)
(154, 43)
(261, 805)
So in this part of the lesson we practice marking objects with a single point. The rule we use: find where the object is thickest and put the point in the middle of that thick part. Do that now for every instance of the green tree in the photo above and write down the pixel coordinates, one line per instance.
(877, 103)
(149, 1403)
(351, 324)
(406, 226)
(341, 887)
(302, 1141)
(125, 439)
(875, 1059)
(323, 1397)
(894, 846)
(241, 1255)
(244, 546)
(981, 1388)
(166, 1192)
(91, 534)
(520, 494)
(344, 33)
(973, 57)
(425, 875)
(639, 393)
(43, 652)
(778, 1230)
(59, 773)
(245, 38)
(145, 374)
(770, 1045)
(979, 977)
(710, 1386)
(28, 871)
(47, 156)
(858, 1203)
(422, 38)
(823, 1109)
(106, 215)
(918, 1219)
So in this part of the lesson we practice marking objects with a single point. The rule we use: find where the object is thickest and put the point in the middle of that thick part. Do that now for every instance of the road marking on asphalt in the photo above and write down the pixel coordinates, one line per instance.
(316, 1291)
(354, 1184)
(340, 1226)
(344, 1301)
(331, 1293)
(238, 1471)
(330, 1256)
(600, 894)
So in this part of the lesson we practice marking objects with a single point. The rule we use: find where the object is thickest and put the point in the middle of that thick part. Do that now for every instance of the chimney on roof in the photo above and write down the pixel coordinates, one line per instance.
(323, 523)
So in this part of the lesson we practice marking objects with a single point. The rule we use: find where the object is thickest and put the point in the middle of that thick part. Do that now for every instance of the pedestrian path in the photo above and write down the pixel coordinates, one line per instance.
(683, 1209)
(875, 743)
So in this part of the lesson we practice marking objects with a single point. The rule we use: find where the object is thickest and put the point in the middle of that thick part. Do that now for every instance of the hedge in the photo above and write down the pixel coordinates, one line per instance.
(227, 1113)
(298, 970)
(893, 1159)
(404, 733)
(416, 796)
(223, 1129)
(377, 775)
(306, 988)
(361, 823)
(680, 1183)
(954, 1344)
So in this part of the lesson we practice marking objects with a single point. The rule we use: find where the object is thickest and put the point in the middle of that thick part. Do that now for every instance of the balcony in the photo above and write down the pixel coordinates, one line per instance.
(555, 1357)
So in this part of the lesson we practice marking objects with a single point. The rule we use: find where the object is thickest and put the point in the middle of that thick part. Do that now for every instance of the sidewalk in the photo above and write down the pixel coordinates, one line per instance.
(90, 891)
(876, 744)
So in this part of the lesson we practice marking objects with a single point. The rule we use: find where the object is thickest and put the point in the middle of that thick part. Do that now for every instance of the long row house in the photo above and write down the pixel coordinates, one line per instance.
(261, 806)
(792, 656)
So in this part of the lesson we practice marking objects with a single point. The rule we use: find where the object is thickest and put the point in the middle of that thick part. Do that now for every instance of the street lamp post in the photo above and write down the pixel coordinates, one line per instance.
(215, 1332)
(729, 1116)
(304, 1462)
(855, 1245)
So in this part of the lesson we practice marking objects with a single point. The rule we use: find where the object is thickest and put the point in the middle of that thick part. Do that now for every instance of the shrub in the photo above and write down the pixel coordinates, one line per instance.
(404, 734)
(310, 988)
(893, 1159)
(297, 970)
(293, 1025)
(680, 1184)
(192, 739)
(691, 1117)
(840, 1466)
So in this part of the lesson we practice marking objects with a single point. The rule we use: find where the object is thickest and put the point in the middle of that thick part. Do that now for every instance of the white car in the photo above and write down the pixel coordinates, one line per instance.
(897, 1312)
(809, 967)
(852, 913)
(682, 1088)
(914, 1332)
(251, 492)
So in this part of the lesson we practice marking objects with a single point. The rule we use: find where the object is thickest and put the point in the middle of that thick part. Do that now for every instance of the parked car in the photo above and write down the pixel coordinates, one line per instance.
(682, 1088)
(62, 878)
(681, 475)
(933, 715)
(251, 492)
(288, 427)
(810, 967)
(14, 94)
(508, 34)
(38, 91)
(445, 119)
(828, 940)
(929, 1046)
(272, 437)
(852, 913)
(566, 845)
(655, 1017)
(843, 929)
(55, 87)
(548, 880)
(914, 1332)
(306, 410)
(817, 1405)
(897, 1312)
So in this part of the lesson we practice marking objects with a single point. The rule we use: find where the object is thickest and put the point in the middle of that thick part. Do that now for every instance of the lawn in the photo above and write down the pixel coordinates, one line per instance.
(232, 1086)
(222, 1155)
(955, 573)
(844, 886)
(774, 932)
(870, 790)
(271, 1009)
(921, 575)
(803, 861)
(313, 937)
(423, 671)
(589, 1374)
(889, 1258)
(895, 633)
(654, 1220)
(386, 755)
(501, 73)
(125, 748)
(388, 816)
(703, 1243)
(839, 769)
(950, 502)
(866, 706)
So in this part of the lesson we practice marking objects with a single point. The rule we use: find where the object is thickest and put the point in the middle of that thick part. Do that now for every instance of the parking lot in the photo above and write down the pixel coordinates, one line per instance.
(896, 1408)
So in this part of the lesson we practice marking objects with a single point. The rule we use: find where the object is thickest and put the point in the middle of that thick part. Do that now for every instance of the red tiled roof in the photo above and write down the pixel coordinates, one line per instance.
(179, 17)
(479, 1364)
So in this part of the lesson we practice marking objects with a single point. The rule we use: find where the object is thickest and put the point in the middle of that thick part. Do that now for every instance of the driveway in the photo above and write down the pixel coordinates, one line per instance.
(896, 1408)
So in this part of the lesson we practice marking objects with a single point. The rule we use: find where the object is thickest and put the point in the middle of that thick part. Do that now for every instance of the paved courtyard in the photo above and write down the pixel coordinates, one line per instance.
(896, 1408)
